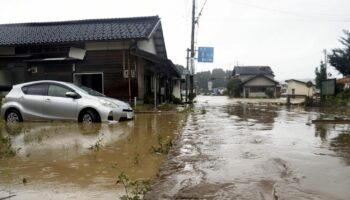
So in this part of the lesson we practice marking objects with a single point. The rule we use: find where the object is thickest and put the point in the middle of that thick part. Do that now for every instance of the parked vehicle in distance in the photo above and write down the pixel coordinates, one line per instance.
(56, 100)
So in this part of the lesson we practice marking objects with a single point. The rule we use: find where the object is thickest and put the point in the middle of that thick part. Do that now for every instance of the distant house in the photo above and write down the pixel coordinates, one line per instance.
(123, 58)
(283, 88)
(257, 81)
(300, 87)
(345, 81)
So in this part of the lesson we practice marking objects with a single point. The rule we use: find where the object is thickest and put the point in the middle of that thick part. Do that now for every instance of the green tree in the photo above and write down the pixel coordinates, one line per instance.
(321, 74)
(234, 87)
(218, 76)
(202, 79)
(340, 57)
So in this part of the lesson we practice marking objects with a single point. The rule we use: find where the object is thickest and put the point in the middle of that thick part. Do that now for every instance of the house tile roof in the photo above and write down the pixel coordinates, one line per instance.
(80, 30)
(344, 80)
(303, 81)
(252, 70)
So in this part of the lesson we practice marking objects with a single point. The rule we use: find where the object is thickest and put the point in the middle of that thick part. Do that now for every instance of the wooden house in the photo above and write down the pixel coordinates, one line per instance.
(257, 81)
(123, 58)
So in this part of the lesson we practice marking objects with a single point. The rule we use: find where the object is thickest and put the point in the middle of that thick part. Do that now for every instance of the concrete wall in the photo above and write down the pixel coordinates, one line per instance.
(260, 81)
(246, 77)
(147, 45)
(95, 46)
(177, 89)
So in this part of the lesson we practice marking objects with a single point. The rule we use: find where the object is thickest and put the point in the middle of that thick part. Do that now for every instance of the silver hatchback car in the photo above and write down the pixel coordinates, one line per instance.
(55, 100)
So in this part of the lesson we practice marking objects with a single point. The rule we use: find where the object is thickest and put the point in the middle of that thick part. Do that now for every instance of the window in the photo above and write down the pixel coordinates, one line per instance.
(257, 89)
(11, 75)
(58, 91)
(37, 89)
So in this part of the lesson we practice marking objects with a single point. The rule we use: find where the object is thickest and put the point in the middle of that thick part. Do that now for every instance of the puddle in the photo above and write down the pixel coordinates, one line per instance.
(74, 161)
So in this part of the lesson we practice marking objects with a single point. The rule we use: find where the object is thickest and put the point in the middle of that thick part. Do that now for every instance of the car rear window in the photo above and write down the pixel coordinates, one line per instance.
(37, 89)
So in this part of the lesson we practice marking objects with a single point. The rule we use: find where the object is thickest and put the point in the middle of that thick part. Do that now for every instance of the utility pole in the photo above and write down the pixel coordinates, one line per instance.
(192, 47)
(325, 61)
(187, 67)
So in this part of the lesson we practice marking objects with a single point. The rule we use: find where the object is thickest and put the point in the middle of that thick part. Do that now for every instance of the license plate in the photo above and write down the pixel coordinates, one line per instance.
(129, 115)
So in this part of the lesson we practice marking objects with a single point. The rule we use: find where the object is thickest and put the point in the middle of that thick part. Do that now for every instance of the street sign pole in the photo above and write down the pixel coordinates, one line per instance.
(206, 54)
(187, 67)
(192, 48)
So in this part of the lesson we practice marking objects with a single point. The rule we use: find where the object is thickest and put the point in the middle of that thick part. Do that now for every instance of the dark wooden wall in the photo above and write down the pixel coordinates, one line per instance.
(110, 62)
(50, 71)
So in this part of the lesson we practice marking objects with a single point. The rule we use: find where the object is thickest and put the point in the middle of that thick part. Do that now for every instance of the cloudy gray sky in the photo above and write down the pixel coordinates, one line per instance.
(288, 35)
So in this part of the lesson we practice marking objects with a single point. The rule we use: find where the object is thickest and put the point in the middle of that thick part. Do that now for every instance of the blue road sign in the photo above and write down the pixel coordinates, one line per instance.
(206, 54)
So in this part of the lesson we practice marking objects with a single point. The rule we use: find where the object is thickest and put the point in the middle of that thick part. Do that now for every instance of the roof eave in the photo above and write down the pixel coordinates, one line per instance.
(154, 29)
(73, 41)
(260, 75)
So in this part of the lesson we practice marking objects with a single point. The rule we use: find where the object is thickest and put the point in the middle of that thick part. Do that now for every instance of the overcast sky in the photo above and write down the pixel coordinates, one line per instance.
(288, 35)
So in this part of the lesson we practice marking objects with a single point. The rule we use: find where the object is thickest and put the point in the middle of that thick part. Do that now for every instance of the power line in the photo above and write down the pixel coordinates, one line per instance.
(346, 18)
(200, 12)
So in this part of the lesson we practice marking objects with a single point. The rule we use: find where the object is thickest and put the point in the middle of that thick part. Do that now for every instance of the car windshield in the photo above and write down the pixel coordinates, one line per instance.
(90, 91)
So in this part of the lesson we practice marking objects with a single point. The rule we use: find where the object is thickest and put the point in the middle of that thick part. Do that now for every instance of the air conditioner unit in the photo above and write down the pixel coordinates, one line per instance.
(126, 73)
(34, 70)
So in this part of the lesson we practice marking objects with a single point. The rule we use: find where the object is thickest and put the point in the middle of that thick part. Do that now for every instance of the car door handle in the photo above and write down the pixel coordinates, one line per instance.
(47, 100)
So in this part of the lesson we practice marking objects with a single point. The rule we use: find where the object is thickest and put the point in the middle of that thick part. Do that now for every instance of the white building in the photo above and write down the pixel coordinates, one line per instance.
(300, 87)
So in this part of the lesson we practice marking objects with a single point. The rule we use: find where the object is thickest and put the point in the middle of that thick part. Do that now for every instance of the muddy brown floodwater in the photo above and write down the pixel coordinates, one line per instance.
(232, 150)
(71, 161)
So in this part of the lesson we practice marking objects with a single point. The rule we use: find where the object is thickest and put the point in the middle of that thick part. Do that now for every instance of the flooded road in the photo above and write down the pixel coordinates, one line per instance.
(237, 150)
(72, 161)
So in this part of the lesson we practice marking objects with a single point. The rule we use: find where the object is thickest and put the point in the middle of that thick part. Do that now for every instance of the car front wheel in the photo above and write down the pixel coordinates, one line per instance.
(89, 117)
(13, 116)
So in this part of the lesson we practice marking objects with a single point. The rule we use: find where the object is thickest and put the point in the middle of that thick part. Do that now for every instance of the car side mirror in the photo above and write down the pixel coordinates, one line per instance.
(72, 95)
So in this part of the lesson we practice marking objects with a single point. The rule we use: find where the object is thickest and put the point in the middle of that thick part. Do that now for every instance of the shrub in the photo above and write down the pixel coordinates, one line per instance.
(234, 87)
(270, 92)
(175, 100)
(191, 96)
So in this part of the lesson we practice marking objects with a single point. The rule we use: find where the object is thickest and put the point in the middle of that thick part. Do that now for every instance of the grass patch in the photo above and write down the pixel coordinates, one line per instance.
(134, 190)
(163, 146)
(136, 159)
(6, 149)
(150, 107)
(97, 146)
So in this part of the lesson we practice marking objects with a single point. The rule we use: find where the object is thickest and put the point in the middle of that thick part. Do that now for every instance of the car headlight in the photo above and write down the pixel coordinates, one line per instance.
(107, 103)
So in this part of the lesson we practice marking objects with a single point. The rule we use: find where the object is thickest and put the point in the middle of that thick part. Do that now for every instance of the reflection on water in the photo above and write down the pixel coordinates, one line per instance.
(276, 150)
(258, 114)
(50, 155)
(335, 137)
